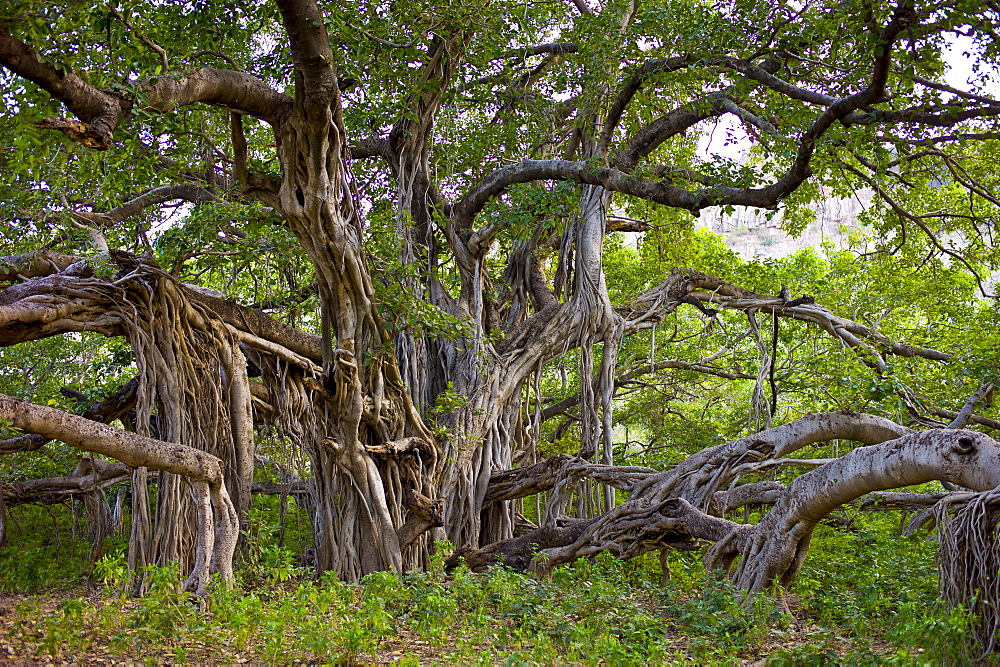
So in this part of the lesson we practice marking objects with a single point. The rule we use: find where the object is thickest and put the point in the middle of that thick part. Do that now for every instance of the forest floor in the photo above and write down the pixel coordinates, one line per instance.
(26, 637)
(864, 597)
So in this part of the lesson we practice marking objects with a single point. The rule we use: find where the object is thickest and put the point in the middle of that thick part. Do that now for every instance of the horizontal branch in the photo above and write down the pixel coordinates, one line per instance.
(540, 49)
(542, 476)
(186, 191)
(99, 112)
(217, 522)
(52, 490)
(975, 419)
(105, 411)
(129, 448)
(73, 300)
(650, 307)
(35, 265)
(70, 301)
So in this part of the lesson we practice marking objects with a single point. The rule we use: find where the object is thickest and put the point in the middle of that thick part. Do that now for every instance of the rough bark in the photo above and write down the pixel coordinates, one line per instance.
(353, 404)
(193, 378)
(773, 550)
(635, 526)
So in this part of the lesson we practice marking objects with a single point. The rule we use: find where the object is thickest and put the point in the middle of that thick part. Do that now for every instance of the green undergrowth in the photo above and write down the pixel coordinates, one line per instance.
(591, 612)
(47, 549)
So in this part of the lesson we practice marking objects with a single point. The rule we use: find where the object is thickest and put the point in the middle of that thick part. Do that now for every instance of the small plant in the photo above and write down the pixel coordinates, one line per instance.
(448, 401)
(112, 570)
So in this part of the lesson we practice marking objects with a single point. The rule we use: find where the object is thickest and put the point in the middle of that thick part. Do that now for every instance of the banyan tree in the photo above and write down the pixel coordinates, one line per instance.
(374, 232)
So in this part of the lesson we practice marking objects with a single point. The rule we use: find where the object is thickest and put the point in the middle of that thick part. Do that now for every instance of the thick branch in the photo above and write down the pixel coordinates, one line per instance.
(216, 536)
(100, 112)
(35, 265)
(542, 476)
(111, 408)
(51, 490)
(617, 180)
(129, 448)
(424, 514)
(774, 549)
(314, 60)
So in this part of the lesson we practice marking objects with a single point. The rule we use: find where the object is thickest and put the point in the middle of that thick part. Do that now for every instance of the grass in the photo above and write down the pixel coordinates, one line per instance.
(602, 612)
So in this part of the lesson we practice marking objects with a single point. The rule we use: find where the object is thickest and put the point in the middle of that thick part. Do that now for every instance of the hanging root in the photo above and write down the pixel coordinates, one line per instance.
(216, 521)
(968, 562)
(193, 389)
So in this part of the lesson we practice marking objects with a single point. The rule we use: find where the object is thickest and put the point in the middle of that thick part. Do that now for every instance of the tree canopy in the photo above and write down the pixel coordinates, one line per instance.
(426, 261)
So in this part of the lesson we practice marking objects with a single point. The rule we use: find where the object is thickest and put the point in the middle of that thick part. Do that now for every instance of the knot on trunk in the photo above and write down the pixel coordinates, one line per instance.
(965, 447)
(424, 514)
(420, 505)
(396, 448)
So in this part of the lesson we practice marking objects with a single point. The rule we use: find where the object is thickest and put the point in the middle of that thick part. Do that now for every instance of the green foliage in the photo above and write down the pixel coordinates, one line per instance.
(46, 549)
(111, 570)
(912, 278)
(859, 579)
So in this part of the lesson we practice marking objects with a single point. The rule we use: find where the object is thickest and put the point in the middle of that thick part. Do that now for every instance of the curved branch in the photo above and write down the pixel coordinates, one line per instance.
(99, 112)
(651, 136)
(617, 180)
(186, 191)
(581, 6)
(72, 300)
(69, 301)
(774, 549)
(631, 87)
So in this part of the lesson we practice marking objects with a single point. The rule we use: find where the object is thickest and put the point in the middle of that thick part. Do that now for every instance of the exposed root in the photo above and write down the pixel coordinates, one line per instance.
(968, 562)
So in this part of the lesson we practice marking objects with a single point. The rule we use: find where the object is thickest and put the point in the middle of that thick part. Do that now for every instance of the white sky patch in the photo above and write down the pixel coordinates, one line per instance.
(725, 137)
(960, 57)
